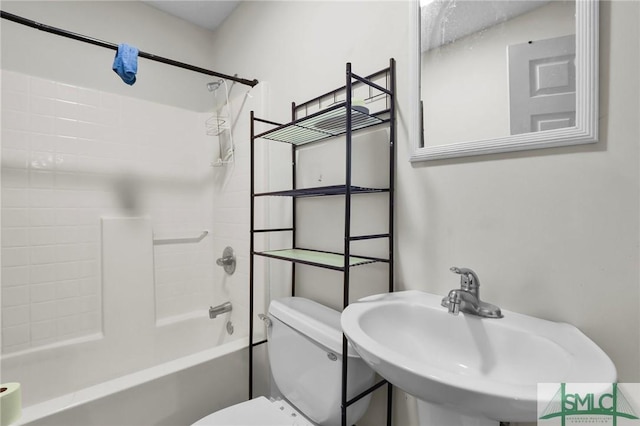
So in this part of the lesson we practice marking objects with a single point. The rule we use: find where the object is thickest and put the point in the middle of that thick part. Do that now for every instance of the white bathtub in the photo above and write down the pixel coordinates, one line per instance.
(139, 368)
(174, 393)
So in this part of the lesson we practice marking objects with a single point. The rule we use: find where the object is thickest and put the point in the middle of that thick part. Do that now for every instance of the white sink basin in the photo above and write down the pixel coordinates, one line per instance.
(487, 368)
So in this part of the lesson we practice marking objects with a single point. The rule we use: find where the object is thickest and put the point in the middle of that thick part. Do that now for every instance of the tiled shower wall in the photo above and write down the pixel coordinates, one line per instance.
(72, 155)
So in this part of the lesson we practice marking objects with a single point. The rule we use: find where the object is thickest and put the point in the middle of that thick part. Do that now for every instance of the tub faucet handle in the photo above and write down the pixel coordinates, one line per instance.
(227, 261)
(222, 261)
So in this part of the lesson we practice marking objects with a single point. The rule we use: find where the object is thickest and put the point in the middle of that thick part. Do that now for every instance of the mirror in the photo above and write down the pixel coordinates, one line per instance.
(499, 76)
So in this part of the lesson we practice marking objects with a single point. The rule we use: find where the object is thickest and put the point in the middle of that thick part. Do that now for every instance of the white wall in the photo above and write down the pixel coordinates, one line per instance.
(551, 233)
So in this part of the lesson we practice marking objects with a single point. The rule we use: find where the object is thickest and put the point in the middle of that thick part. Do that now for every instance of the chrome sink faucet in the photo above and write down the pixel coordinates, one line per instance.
(466, 299)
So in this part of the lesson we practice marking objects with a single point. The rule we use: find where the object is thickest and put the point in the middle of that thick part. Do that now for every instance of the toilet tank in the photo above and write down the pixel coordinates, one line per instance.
(305, 354)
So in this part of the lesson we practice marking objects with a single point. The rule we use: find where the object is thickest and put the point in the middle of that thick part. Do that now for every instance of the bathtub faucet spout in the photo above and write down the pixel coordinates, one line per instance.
(220, 309)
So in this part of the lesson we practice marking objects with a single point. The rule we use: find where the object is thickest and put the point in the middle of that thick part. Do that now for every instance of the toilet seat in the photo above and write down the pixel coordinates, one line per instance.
(256, 412)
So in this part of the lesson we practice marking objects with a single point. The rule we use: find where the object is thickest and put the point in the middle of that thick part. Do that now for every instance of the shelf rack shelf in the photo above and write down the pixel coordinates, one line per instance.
(341, 118)
(318, 258)
(322, 191)
(324, 124)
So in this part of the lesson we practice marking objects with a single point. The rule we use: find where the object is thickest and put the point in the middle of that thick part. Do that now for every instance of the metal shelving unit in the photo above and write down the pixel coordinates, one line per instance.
(339, 119)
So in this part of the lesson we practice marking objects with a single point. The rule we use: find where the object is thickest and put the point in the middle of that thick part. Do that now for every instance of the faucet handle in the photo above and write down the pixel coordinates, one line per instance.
(469, 280)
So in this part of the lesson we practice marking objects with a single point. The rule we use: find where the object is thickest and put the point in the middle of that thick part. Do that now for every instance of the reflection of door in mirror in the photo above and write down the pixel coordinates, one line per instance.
(542, 84)
(465, 66)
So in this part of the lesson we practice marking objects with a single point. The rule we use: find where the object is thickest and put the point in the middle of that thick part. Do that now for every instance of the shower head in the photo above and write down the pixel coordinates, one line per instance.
(213, 86)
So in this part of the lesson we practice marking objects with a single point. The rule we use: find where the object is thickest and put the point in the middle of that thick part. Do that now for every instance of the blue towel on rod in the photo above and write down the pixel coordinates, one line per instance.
(125, 64)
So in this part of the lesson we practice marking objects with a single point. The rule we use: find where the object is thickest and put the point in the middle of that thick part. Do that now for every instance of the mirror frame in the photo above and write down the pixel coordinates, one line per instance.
(587, 101)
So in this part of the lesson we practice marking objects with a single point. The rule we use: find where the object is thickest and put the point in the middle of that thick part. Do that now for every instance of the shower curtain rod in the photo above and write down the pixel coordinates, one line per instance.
(112, 46)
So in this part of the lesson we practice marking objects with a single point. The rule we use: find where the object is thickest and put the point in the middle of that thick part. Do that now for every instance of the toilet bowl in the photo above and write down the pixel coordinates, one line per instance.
(305, 354)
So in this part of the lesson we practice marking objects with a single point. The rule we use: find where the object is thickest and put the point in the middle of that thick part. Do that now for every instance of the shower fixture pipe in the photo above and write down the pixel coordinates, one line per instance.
(214, 85)
(113, 46)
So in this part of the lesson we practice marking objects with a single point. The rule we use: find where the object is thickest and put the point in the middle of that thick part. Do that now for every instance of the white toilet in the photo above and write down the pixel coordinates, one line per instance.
(305, 354)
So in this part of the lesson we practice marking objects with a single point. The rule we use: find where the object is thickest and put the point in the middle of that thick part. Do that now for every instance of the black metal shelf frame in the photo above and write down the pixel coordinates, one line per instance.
(341, 118)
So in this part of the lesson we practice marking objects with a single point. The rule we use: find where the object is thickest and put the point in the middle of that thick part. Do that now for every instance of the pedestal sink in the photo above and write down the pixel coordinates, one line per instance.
(482, 368)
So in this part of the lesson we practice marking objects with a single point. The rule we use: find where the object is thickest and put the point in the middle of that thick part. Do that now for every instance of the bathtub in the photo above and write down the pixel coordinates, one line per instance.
(139, 368)
(177, 392)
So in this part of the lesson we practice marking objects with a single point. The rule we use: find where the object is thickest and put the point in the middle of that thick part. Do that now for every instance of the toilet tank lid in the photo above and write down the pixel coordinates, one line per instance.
(318, 322)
